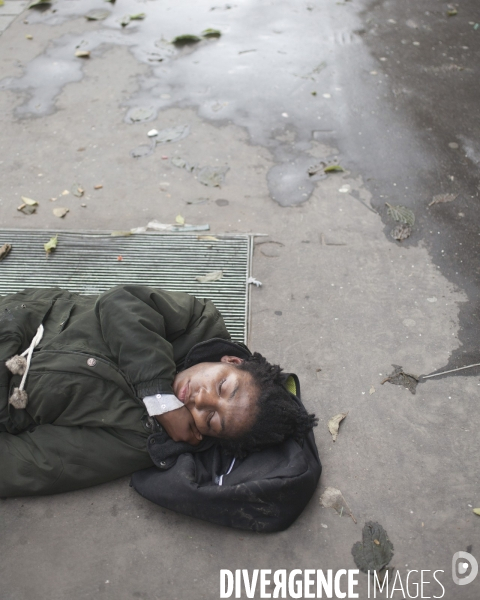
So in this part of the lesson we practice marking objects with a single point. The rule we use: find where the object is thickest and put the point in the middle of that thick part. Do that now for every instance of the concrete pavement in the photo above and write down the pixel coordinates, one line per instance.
(387, 90)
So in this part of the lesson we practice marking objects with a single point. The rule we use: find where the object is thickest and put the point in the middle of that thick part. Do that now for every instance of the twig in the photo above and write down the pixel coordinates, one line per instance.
(451, 371)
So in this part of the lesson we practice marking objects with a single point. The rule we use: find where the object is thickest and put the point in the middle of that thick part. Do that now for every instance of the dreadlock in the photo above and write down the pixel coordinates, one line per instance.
(278, 416)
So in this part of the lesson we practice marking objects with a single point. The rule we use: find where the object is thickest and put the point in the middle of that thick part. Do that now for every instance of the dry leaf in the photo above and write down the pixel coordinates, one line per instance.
(29, 201)
(180, 220)
(441, 198)
(401, 232)
(333, 498)
(209, 277)
(51, 244)
(28, 36)
(402, 214)
(82, 53)
(374, 556)
(60, 211)
(98, 186)
(120, 233)
(334, 424)
(399, 377)
(4, 250)
(207, 238)
(372, 390)
(376, 542)
(77, 190)
(477, 511)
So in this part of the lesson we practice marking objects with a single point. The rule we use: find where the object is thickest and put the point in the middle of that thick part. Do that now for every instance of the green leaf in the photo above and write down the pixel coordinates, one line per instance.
(2, 2)
(137, 17)
(51, 244)
(477, 511)
(180, 220)
(401, 213)
(39, 3)
(186, 39)
(333, 169)
(211, 33)
(375, 550)
(121, 233)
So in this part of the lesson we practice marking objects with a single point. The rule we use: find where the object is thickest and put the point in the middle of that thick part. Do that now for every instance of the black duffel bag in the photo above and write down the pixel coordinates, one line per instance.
(264, 492)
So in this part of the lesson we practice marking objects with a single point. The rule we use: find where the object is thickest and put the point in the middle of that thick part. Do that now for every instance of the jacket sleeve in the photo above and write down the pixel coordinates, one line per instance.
(147, 330)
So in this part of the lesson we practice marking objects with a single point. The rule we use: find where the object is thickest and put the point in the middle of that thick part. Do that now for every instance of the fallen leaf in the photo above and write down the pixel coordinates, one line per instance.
(333, 498)
(1, 3)
(399, 377)
(120, 258)
(371, 555)
(124, 21)
(207, 238)
(172, 134)
(333, 169)
(36, 3)
(5, 249)
(77, 190)
(137, 16)
(209, 277)
(186, 39)
(82, 53)
(314, 169)
(181, 163)
(51, 244)
(180, 220)
(26, 209)
(334, 424)
(60, 211)
(254, 282)
(28, 36)
(143, 150)
(451, 11)
(477, 511)
(401, 213)
(211, 33)
(120, 233)
(401, 232)
(29, 201)
(141, 113)
(212, 176)
(99, 186)
(97, 14)
(440, 198)
(372, 390)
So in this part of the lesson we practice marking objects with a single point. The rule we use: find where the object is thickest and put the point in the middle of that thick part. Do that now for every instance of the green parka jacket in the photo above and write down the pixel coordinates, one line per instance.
(99, 356)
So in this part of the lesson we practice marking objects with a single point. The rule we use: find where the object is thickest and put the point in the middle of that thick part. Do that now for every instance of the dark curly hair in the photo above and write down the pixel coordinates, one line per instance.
(278, 416)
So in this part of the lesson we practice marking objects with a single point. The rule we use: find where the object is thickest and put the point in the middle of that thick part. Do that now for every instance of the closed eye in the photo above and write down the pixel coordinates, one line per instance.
(221, 385)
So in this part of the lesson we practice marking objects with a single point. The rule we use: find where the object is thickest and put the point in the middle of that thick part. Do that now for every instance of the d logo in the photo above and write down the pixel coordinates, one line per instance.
(462, 568)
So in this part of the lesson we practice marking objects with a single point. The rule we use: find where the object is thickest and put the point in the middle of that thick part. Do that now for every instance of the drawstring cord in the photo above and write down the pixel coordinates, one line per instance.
(21, 365)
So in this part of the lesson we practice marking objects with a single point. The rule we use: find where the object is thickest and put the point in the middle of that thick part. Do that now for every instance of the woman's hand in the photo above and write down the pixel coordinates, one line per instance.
(180, 426)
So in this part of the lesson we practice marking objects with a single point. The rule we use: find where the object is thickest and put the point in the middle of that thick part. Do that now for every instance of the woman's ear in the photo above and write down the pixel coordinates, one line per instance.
(233, 360)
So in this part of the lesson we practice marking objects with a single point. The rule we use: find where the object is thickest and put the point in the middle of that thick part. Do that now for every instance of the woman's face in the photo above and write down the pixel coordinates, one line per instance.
(221, 398)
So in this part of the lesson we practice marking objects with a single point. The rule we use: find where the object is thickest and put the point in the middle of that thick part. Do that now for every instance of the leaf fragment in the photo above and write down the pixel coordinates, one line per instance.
(451, 10)
(97, 14)
(60, 211)
(402, 214)
(372, 390)
(180, 220)
(441, 198)
(5, 249)
(51, 244)
(334, 424)
(172, 134)
(333, 498)
(207, 238)
(212, 176)
(82, 53)
(36, 3)
(333, 169)
(27, 209)
(211, 33)
(375, 550)
(399, 377)
(186, 39)
(137, 16)
(77, 190)
(477, 511)
(29, 201)
(209, 277)
(99, 186)
(401, 232)
(120, 233)
(124, 21)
